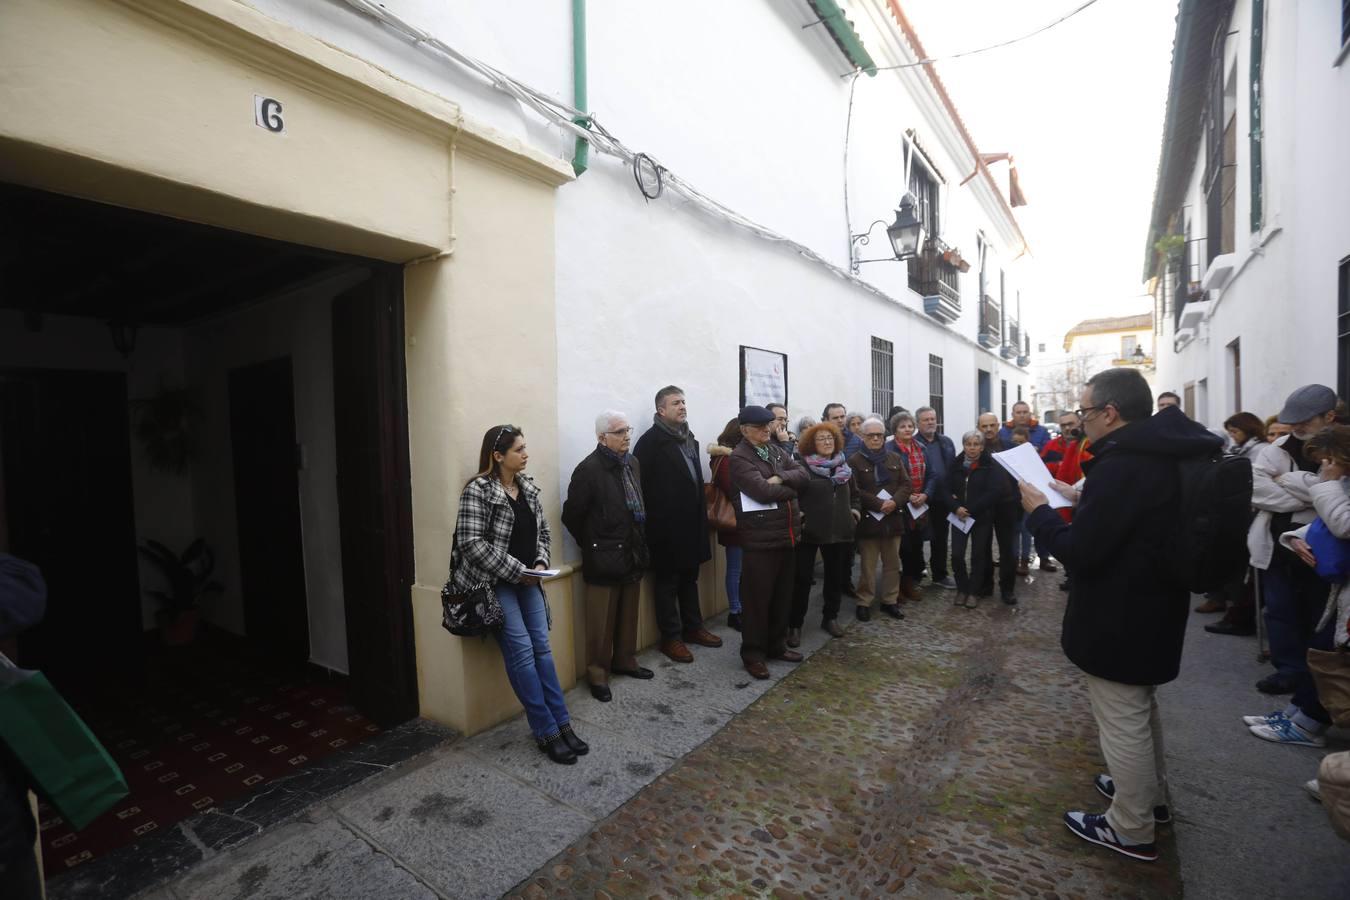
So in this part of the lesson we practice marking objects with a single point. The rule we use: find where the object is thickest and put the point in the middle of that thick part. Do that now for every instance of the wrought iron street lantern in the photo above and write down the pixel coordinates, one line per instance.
(905, 234)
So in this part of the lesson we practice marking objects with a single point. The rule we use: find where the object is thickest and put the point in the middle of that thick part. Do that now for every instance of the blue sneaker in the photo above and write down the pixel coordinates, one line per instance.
(1267, 719)
(1094, 829)
(1107, 788)
(1285, 731)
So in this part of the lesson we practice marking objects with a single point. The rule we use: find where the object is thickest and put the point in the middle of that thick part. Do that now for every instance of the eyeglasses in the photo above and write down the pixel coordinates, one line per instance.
(1082, 413)
(621, 432)
(874, 434)
(505, 429)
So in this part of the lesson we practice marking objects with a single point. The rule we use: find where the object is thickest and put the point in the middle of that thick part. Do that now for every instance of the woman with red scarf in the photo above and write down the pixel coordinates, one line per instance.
(915, 462)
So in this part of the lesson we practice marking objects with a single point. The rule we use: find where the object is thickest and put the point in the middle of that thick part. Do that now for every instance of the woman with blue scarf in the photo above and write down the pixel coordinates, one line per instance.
(831, 510)
(605, 514)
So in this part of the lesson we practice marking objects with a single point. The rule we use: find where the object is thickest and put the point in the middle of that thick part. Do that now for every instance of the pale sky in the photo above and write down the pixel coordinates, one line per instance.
(1081, 108)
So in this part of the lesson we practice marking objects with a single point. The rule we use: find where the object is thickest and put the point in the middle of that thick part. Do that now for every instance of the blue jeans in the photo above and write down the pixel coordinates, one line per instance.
(1027, 545)
(1294, 597)
(734, 578)
(523, 638)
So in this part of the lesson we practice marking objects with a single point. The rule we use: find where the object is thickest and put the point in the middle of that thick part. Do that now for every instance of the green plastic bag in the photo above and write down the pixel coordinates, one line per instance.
(65, 763)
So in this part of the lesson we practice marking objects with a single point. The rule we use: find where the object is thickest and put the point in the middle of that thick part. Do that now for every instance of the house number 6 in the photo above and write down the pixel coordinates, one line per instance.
(267, 114)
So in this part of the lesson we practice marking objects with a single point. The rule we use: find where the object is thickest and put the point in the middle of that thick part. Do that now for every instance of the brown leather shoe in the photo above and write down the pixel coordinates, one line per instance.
(788, 656)
(1023, 567)
(833, 627)
(1211, 606)
(794, 637)
(677, 651)
(703, 638)
(909, 589)
(757, 668)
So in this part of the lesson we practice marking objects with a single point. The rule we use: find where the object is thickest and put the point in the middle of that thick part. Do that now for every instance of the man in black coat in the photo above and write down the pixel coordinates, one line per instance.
(677, 524)
(1126, 616)
(941, 454)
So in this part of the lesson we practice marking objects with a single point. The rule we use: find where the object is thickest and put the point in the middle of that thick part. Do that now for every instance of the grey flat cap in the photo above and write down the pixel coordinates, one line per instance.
(1306, 402)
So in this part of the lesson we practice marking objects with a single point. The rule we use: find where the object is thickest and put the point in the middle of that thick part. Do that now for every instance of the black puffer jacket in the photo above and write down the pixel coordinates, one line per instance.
(828, 510)
(1126, 618)
(770, 529)
(613, 546)
(981, 490)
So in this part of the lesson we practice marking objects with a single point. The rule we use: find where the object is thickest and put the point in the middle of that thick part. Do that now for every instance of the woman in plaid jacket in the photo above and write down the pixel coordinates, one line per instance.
(500, 534)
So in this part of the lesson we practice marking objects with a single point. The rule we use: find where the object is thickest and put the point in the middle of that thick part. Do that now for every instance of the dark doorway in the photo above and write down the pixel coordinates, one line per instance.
(66, 449)
(267, 509)
(985, 392)
(374, 495)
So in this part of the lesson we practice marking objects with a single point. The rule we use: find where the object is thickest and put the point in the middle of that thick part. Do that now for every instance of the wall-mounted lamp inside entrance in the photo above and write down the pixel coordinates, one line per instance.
(905, 234)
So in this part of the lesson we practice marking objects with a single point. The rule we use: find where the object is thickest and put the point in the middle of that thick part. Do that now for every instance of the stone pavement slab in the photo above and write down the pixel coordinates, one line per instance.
(1247, 828)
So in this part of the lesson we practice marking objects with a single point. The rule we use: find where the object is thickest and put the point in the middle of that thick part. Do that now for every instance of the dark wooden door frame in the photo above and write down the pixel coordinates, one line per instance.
(375, 494)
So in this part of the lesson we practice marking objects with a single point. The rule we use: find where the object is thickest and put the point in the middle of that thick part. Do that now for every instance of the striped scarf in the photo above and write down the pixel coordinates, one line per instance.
(632, 497)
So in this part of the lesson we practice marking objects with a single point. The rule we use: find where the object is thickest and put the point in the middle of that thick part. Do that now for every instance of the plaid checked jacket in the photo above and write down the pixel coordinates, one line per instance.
(483, 533)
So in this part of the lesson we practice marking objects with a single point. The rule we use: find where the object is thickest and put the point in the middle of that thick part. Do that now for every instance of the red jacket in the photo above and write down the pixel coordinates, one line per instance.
(1064, 459)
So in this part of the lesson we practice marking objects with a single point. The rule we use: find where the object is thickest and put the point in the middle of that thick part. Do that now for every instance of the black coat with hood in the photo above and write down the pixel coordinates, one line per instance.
(1126, 617)
(981, 490)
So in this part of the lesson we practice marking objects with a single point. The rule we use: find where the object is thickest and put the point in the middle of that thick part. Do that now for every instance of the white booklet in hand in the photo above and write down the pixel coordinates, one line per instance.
(917, 511)
(542, 573)
(883, 495)
(1025, 464)
(750, 504)
(964, 524)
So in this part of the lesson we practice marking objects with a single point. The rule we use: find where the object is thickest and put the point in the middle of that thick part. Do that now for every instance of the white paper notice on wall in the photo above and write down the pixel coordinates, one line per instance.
(765, 378)
(750, 504)
(1025, 464)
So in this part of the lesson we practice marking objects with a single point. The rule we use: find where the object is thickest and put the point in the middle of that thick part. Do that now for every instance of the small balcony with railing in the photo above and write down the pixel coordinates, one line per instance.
(1012, 340)
(934, 274)
(991, 323)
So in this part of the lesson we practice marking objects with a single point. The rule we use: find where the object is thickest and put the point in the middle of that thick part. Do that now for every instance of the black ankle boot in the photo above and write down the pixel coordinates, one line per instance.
(558, 751)
(576, 744)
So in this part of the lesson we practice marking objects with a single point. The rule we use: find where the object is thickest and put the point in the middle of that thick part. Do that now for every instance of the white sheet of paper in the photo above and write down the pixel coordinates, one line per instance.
(750, 504)
(965, 526)
(542, 573)
(917, 511)
(1025, 464)
(883, 495)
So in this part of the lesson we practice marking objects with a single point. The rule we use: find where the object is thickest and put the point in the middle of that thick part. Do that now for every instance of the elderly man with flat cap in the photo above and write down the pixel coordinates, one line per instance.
(769, 524)
(1294, 595)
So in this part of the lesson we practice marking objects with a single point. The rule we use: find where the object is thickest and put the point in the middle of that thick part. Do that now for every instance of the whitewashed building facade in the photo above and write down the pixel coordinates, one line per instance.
(1249, 245)
(753, 105)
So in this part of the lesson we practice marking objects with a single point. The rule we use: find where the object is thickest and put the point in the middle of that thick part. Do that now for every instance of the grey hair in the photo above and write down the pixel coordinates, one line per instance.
(602, 421)
(1126, 390)
(871, 419)
(902, 417)
(805, 422)
(972, 436)
(923, 409)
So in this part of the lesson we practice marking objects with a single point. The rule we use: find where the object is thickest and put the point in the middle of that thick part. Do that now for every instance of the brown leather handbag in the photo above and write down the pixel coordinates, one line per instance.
(721, 514)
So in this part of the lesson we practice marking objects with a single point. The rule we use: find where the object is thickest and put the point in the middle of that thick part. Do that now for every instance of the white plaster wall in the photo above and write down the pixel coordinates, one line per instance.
(163, 502)
(750, 108)
(298, 325)
(1282, 305)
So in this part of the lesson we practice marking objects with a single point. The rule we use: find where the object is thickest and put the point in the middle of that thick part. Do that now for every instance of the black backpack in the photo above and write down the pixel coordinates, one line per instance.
(1216, 499)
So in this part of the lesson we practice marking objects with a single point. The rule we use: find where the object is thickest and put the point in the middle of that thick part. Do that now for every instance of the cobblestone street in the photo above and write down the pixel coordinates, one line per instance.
(929, 757)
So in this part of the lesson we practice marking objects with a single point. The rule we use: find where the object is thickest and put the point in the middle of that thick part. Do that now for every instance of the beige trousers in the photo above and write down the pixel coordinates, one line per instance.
(611, 629)
(1132, 743)
(888, 548)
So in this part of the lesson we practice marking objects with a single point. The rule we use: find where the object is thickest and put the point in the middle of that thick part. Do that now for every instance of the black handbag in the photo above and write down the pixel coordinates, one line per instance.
(472, 613)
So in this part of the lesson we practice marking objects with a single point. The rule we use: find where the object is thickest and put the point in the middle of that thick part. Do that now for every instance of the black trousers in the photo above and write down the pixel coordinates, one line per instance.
(1005, 533)
(937, 547)
(911, 552)
(676, 600)
(980, 540)
(766, 601)
(836, 571)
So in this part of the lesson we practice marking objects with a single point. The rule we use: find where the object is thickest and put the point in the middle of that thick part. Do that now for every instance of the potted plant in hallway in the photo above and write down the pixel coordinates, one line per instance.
(189, 578)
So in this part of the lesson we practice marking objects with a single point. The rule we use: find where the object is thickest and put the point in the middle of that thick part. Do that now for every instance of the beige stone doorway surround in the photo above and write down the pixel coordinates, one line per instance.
(163, 106)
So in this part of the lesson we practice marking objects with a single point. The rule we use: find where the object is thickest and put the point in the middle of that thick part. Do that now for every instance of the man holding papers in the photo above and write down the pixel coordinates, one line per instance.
(765, 480)
(883, 488)
(1126, 616)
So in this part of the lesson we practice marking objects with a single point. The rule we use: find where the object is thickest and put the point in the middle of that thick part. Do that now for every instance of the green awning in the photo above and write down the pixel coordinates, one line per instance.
(841, 29)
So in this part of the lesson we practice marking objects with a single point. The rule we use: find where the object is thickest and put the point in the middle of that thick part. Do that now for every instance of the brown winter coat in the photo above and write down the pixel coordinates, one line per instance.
(772, 529)
(865, 483)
